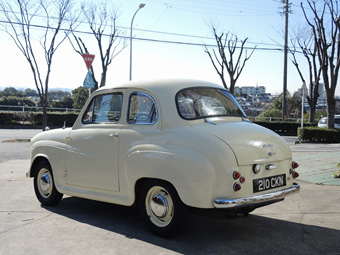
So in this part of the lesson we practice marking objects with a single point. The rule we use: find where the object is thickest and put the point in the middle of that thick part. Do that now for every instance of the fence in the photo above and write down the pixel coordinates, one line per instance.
(276, 119)
(14, 108)
(24, 108)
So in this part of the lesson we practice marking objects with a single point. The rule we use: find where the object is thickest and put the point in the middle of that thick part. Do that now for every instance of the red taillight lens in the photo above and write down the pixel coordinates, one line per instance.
(236, 175)
(242, 179)
(295, 165)
(295, 175)
(236, 186)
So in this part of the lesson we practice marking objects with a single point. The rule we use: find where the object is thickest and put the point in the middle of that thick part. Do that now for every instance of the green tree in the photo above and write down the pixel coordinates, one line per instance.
(10, 91)
(31, 93)
(67, 102)
(318, 115)
(16, 101)
(293, 107)
(79, 96)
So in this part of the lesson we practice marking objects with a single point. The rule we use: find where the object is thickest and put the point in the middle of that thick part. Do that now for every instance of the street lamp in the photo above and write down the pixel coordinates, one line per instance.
(303, 89)
(140, 7)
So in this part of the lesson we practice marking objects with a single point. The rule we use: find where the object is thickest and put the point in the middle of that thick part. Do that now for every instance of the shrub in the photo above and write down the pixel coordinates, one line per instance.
(282, 127)
(5, 118)
(317, 135)
(54, 119)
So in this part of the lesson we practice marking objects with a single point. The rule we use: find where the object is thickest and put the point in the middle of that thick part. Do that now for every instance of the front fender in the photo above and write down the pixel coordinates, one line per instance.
(52, 149)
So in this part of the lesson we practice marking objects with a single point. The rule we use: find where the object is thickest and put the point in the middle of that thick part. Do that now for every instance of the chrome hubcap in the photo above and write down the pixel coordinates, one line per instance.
(159, 206)
(45, 183)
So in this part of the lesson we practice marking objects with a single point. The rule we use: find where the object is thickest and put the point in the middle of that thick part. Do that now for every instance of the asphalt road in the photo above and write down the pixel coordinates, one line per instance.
(307, 223)
(14, 145)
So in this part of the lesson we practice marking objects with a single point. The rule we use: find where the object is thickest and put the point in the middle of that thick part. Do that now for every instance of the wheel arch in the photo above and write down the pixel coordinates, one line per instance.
(140, 182)
(36, 161)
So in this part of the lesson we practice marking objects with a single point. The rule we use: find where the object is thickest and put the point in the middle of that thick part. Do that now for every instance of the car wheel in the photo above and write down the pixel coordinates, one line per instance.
(161, 208)
(44, 186)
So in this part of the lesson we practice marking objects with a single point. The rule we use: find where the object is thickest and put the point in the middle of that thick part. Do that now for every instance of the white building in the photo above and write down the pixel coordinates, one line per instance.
(321, 91)
(250, 90)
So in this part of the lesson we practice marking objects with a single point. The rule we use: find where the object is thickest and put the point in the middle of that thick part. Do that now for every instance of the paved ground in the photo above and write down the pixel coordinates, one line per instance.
(10, 150)
(307, 223)
(318, 162)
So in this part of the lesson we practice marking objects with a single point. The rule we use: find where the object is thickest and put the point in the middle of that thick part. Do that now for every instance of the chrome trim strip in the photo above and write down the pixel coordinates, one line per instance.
(229, 203)
(270, 167)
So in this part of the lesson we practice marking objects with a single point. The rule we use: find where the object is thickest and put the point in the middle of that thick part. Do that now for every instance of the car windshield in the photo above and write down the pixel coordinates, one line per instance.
(195, 103)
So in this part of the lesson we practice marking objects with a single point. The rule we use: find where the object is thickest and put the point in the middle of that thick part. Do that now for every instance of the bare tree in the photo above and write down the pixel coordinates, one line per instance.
(227, 45)
(325, 25)
(20, 16)
(102, 23)
(309, 50)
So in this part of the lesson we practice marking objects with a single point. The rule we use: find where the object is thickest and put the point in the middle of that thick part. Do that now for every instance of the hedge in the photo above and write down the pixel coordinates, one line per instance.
(319, 135)
(283, 127)
(13, 118)
(54, 119)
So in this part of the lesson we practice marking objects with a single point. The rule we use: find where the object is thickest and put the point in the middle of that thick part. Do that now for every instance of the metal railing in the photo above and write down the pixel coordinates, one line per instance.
(13, 108)
(24, 108)
(276, 119)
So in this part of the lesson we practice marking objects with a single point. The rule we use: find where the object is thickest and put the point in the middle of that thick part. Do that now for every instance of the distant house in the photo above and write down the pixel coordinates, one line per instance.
(250, 90)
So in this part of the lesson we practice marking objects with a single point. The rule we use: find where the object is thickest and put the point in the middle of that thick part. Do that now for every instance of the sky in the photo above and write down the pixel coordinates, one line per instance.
(187, 25)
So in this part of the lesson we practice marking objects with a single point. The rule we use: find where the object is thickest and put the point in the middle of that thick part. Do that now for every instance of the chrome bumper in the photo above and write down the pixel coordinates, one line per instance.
(244, 201)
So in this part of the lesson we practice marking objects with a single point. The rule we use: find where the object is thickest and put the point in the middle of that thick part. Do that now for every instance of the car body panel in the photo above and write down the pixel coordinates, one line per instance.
(105, 161)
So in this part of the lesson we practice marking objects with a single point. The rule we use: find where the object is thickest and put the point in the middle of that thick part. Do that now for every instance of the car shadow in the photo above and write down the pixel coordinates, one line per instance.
(207, 234)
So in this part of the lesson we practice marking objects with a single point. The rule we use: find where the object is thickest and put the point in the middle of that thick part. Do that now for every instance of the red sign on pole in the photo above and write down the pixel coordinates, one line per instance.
(88, 60)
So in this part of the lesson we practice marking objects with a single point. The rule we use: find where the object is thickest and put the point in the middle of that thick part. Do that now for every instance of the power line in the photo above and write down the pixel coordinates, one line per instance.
(232, 7)
(150, 39)
(147, 31)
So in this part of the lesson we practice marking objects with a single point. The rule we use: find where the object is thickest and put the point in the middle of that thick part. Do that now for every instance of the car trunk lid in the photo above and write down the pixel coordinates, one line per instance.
(251, 143)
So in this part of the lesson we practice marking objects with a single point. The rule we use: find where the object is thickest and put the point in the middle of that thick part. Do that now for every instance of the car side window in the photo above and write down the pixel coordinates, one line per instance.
(142, 109)
(104, 109)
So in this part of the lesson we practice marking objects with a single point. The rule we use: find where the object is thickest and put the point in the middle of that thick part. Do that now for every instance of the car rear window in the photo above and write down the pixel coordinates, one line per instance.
(195, 103)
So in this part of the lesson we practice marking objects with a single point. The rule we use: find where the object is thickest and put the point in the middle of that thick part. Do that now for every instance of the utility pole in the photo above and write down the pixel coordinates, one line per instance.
(286, 10)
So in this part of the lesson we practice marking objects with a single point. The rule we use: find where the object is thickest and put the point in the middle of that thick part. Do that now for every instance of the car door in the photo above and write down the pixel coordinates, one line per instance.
(93, 148)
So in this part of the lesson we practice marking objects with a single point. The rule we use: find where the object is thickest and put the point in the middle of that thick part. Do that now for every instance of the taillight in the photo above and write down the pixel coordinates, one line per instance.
(236, 175)
(242, 179)
(295, 174)
(295, 165)
(236, 186)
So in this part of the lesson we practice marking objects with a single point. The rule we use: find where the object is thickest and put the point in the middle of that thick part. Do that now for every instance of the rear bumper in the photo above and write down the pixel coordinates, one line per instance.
(260, 199)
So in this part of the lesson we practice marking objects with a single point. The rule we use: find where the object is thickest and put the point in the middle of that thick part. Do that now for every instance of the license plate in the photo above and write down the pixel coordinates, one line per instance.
(269, 183)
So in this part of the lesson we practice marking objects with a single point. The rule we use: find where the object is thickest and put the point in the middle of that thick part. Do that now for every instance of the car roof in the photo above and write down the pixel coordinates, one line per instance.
(165, 91)
(164, 85)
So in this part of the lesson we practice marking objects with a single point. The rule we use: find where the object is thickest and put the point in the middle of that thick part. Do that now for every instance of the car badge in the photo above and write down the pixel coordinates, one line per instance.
(267, 145)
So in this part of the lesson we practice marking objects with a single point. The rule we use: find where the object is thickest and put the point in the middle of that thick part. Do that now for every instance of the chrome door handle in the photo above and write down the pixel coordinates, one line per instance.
(113, 135)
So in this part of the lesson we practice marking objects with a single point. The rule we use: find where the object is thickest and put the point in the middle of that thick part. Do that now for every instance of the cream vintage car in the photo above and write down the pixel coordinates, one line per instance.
(166, 146)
